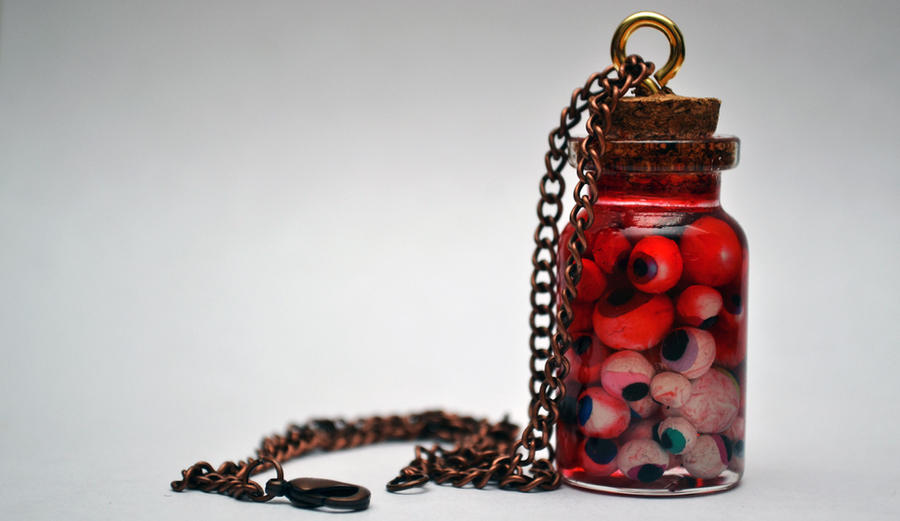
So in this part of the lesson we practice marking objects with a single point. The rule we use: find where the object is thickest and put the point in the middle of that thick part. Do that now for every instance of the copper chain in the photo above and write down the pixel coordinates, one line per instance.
(485, 452)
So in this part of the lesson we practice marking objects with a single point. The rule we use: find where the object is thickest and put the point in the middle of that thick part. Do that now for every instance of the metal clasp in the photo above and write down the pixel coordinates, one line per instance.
(316, 492)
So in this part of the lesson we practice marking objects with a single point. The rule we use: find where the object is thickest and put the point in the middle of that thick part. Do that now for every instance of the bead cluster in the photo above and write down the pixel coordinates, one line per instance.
(656, 365)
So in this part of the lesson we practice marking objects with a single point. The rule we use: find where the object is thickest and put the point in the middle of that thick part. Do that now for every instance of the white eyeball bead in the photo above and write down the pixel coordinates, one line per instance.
(708, 457)
(676, 435)
(670, 389)
(715, 400)
(643, 460)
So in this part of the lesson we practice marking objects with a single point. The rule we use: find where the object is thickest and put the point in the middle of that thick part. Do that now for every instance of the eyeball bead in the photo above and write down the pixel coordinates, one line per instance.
(714, 403)
(676, 435)
(610, 250)
(626, 375)
(688, 350)
(708, 456)
(640, 430)
(592, 283)
(732, 313)
(567, 446)
(643, 460)
(711, 252)
(643, 408)
(699, 306)
(731, 345)
(654, 265)
(597, 456)
(670, 389)
(601, 415)
(735, 432)
(627, 319)
(582, 318)
(586, 356)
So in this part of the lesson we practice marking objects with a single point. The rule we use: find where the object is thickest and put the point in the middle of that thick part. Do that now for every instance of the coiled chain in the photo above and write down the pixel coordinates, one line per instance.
(484, 452)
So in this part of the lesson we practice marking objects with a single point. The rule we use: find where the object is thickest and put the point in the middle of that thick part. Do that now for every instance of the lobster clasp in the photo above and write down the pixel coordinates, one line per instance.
(316, 492)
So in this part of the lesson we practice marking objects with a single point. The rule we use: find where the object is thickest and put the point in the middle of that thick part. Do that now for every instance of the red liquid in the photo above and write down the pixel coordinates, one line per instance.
(675, 293)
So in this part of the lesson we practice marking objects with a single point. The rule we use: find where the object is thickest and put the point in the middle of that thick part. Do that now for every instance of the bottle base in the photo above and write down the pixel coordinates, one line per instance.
(672, 484)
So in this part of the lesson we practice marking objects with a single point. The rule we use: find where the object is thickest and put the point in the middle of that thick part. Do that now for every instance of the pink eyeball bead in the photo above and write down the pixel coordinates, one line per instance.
(670, 389)
(654, 265)
(601, 415)
(708, 457)
(627, 319)
(597, 456)
(644, 408)
(626, 375)
(711, 252)
(676, 435)
(643, 460)
(699, 306)
(688, 350)
(610, 250)
(592, 283)
(715, 400)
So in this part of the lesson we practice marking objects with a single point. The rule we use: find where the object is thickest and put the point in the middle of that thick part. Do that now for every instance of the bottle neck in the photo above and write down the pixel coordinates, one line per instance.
(682, 189)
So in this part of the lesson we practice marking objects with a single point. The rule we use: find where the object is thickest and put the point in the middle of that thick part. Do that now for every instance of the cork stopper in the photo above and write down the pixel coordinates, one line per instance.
(664, 116)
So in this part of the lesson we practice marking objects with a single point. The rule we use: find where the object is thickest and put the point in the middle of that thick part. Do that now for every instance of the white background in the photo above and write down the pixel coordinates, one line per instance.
(217, 217)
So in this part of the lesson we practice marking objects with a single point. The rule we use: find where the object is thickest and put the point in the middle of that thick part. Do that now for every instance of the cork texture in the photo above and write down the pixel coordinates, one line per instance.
(664, 116)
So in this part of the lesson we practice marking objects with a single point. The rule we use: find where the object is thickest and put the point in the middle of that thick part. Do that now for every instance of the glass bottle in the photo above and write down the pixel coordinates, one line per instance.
(655, 395)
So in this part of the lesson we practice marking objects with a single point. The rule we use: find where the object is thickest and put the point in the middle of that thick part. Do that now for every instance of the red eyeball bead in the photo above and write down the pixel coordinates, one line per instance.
(592, 283)
(597, 456)
(602, 415)
(586, 356)
(731, 345)
(699, 306)
(567, 446)
(711, 252)
(610, 250)
(582, 317)
(628, 319)
(654, 265)
(732, 313)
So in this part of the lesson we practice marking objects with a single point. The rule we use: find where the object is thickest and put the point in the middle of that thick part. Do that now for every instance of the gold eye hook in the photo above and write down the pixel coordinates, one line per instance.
(665, 26)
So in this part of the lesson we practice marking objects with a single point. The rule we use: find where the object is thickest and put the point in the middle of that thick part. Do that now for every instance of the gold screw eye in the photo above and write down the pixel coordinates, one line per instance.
(665, 26)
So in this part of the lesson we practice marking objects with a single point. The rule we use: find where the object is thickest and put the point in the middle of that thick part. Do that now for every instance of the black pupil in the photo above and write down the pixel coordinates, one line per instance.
(568, 409)
(709, 322)
(734, 302)
(582, 345)
(675, 344)
(639, 267)
(600, 451)
(635, 391)
(649, 473)
(620, 296)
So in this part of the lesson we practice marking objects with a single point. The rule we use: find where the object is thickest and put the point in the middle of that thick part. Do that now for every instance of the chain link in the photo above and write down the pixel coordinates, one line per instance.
(484, 452)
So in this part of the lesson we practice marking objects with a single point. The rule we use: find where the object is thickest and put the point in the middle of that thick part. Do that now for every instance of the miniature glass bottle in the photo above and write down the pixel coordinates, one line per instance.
(655, 394)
